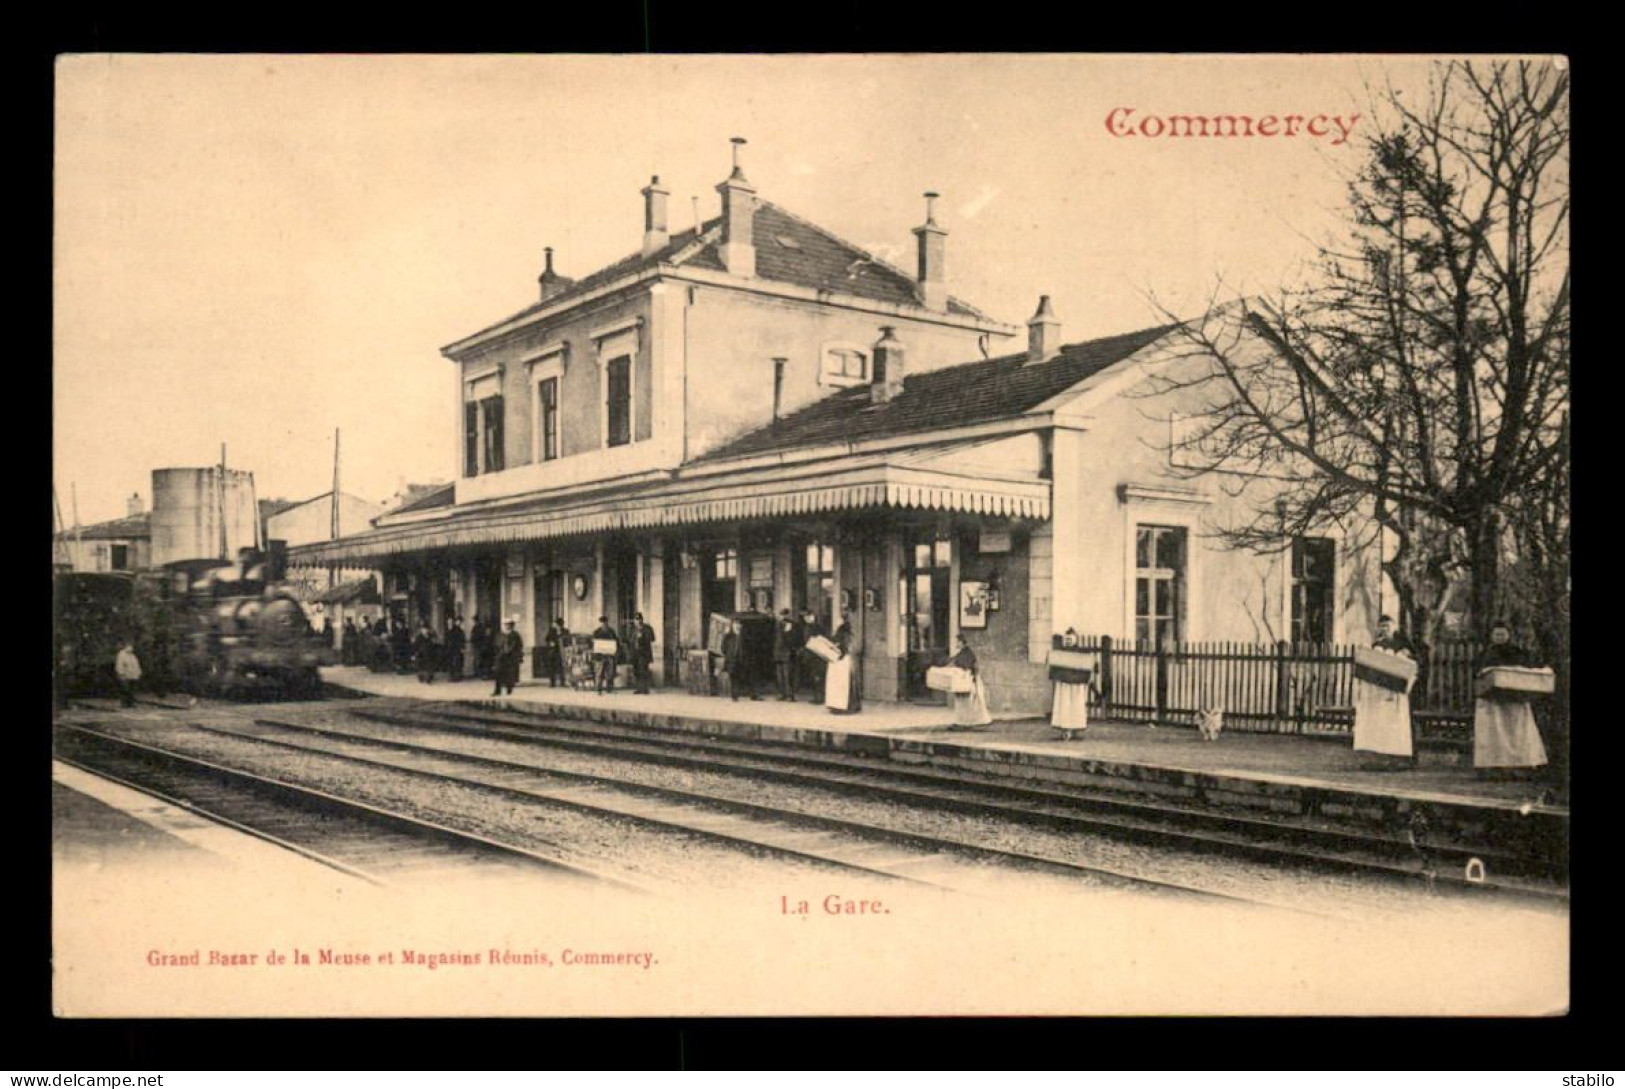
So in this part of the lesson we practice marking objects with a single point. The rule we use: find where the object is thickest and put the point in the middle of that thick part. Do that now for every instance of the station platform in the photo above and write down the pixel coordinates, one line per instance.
(1280, 775)
(103, 826)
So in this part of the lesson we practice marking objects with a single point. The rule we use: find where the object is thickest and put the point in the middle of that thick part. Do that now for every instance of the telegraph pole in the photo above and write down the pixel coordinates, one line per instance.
(220, 502)
(334, 529)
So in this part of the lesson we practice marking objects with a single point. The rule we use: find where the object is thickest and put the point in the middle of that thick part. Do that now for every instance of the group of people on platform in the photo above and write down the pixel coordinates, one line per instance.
(1505, 733)
(608, 648)
(1506, 737)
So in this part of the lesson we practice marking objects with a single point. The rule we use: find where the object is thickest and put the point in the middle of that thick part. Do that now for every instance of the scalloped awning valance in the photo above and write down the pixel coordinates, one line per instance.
(759, 493)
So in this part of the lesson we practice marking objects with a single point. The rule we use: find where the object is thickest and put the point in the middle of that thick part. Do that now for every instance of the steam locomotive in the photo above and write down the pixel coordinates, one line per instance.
(204, 626)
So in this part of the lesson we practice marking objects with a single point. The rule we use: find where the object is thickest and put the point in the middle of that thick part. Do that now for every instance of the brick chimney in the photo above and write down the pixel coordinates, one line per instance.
(931, 242)
(134, 506)
(551, 282)
(738, 251)
(887, 368)
(1043, 333)
(655, 233)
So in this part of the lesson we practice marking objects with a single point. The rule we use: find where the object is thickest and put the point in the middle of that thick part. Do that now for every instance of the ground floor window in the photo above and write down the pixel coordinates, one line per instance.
(927, 596)
(1314, 569)
(818, 582)
(1159, 584)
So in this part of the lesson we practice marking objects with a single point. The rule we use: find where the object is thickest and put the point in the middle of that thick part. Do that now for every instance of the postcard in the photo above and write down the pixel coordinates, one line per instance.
(872, 534)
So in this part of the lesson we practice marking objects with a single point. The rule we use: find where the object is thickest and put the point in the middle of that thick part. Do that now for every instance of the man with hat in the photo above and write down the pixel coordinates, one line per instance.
(606, 646)
(643, 654)
(510, 652)
(787, 641)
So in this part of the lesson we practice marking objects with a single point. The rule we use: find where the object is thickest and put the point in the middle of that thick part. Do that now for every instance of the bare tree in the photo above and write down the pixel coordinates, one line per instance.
(1420, 381)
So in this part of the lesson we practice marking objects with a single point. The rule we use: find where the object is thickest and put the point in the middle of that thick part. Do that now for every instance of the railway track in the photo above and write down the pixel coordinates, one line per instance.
(1255, 838)
(840, 844)
(374, 844)
(827, 842)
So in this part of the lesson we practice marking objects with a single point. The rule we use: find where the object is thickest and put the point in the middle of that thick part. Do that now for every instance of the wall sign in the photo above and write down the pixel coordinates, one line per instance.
(993, 541)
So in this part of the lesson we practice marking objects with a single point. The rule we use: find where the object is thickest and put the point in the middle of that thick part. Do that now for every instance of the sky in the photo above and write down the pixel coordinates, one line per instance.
(258, 250)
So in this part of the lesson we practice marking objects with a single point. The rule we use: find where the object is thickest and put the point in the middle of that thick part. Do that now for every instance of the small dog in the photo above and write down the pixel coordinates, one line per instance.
(1210, 722)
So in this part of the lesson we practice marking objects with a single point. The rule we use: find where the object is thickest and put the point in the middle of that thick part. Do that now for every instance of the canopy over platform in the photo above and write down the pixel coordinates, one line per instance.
(944, 477)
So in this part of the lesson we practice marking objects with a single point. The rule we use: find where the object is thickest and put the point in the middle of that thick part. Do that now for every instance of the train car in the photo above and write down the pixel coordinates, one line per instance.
(204, 626)
(244, 633)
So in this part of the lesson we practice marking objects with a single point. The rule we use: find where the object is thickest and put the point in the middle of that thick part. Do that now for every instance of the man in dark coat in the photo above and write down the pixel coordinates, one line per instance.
(643, 654)
(401, 644)
(558, 636)
(424, 651)
(455, 640)
(605, 663)
(740, 676)
(812, 666)
(347, 651)
(480, 640)
(787, 642)
(509, 653)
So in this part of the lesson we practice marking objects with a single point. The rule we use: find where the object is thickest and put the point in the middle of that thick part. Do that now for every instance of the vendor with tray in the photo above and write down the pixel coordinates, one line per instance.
(1383, 676)
(1072, 672)
(1505, 735)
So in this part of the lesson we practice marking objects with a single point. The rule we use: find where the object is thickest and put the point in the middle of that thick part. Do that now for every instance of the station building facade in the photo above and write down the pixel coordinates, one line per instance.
(754, 414)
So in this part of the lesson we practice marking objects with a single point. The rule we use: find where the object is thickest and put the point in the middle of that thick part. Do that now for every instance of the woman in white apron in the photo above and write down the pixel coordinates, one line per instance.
(1070, 709)
(970, 708)
(841, 693)
(1382, 714)
(1504, 731)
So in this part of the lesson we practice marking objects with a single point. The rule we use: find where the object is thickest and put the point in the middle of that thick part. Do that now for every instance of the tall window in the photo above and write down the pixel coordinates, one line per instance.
(926, 600)
(759, 584)
(1159, 583)
(547, 400)
(820, 582)
(491, 421)
(471, 439)
(718, 578)
(1314, 570)
(619, 398)
(555, 596)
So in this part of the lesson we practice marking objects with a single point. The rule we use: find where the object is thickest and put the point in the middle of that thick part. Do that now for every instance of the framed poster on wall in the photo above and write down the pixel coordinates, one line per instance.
(973, 604)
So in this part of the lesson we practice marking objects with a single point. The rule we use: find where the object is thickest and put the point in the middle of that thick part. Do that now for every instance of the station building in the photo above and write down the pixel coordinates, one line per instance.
(755, 414)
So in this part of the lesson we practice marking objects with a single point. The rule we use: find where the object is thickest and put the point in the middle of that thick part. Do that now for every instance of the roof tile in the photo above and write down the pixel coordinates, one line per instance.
(955, 396)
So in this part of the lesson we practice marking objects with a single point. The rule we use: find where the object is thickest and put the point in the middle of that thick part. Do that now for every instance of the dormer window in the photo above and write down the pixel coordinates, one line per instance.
(845, 365)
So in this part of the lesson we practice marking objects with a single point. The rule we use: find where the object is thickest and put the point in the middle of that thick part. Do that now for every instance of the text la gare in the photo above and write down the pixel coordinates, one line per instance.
(833, 904)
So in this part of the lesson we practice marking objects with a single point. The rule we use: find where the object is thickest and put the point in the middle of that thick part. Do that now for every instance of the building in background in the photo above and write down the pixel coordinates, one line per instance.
(305, 521)
(123, 544)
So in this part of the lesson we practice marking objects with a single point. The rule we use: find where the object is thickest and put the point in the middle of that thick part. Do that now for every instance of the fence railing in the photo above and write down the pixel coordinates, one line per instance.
(1265, 688)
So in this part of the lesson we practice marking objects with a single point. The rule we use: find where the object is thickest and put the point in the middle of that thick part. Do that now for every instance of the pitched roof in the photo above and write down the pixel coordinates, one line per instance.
(136, 525)
(425, 497)
(789, 250)
(966, 393)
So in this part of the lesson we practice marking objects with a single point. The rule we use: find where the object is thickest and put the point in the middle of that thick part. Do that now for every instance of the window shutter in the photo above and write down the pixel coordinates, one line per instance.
(471, 439)
(493, 434)
(619, 395)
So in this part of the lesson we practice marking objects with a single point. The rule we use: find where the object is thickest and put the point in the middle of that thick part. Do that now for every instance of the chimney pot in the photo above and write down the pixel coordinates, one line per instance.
(931, 287)
(887, 367)
(551, 282)
(738, 249)
(655, 231)
(1043, 333)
